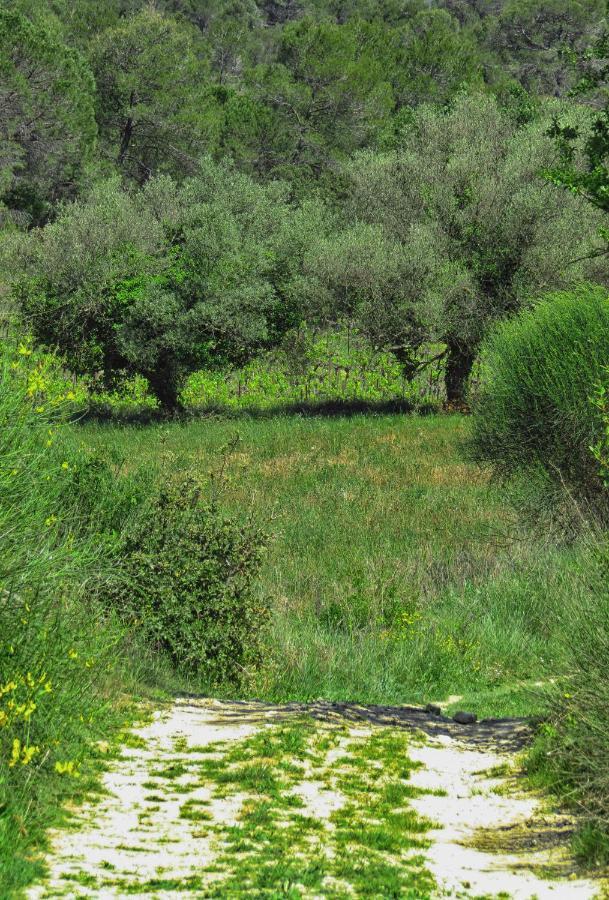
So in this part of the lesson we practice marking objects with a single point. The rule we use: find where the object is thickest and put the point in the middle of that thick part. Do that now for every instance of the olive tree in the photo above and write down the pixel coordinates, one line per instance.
(166, 280)
(483, 231)
(361, 274)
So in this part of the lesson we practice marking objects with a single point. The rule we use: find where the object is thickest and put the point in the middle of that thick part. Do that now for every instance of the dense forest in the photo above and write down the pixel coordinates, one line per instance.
(240, 168)
(304, 397)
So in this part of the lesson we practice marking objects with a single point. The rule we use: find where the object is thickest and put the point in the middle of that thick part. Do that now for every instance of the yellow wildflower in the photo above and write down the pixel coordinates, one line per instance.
(28, 753)
(15, 754)
(73, 654)
(29, 709)
(67, 768)
(65, 466)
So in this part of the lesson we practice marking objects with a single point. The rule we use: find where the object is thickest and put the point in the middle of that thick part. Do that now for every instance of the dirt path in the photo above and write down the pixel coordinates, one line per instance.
(329, 800)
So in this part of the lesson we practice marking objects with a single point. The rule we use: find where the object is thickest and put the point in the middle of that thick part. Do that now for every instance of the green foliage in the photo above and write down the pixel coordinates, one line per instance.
(570, 755)
(167, 281)
(532, 40)
(480, 229)
(583, 168)
(311, 369)
(153, 111)
(436, 59)
(186, 582)
(327, 92)
(47, 125)
(60, 507)
(534, 408)
(364, 275)
(286, 88)
(73, 523)
(600, 402)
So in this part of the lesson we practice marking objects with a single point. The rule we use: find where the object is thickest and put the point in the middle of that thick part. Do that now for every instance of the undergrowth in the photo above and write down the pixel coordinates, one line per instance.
(397, 571)
(60, 507)
(311, 370)
(74, 539)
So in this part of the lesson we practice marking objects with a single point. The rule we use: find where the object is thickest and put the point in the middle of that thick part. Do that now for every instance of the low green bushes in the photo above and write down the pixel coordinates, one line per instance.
(333, 366)
(186, 583)
(310, 368)
(534, 409)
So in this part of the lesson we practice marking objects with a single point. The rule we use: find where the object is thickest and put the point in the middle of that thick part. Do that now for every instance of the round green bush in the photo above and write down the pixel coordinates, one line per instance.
(187, 582)
(534, 409)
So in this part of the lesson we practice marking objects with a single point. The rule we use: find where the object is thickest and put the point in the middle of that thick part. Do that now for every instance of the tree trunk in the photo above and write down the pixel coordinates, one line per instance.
(164, 385)
(127, 133)
(459, 366)
(406, 357)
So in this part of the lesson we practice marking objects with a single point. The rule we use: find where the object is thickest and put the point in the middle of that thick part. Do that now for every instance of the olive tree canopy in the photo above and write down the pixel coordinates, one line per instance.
(480, 231)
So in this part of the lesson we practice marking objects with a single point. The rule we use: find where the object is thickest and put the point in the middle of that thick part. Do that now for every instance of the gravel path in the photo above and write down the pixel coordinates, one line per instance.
(167, 824)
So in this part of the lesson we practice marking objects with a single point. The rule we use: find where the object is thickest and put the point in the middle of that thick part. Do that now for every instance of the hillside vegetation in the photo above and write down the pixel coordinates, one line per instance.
(259, 262)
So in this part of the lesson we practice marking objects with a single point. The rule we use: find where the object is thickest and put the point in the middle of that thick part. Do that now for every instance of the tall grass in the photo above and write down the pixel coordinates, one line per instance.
(542, 419)
(59, 510)
(398, 572)
(571, 752)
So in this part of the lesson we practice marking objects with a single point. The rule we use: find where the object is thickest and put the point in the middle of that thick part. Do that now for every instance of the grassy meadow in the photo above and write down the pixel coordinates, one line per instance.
(397, 571)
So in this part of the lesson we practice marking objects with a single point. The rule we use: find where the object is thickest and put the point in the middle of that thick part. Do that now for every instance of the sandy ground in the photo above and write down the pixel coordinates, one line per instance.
(136, 836)
(526, 840)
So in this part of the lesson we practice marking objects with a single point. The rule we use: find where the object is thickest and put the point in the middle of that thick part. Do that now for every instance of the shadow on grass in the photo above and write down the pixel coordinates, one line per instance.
(508, 735)
(321, 409)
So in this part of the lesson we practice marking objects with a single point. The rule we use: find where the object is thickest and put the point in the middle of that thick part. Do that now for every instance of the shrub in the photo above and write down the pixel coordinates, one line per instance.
(187, 583)
(534, 409)
(571, 751)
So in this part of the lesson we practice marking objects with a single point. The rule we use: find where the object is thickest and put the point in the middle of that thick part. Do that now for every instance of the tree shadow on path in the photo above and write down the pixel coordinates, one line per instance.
(504, 735)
